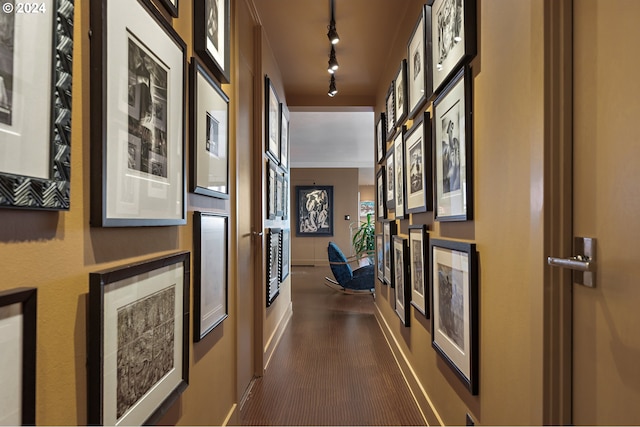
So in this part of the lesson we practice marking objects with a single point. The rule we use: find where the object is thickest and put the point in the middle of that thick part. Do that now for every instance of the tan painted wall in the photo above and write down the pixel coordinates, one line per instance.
(507, 155)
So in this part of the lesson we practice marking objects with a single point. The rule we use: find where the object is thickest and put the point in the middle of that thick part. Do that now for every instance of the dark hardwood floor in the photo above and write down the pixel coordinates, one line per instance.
(332, 365)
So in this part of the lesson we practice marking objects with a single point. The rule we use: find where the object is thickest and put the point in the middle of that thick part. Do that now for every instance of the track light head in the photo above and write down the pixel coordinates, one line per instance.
(332, 87)
(333, 62)
(333, 36)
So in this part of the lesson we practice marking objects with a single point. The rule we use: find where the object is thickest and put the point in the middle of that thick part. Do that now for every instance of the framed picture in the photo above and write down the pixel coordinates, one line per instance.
(400, 93)
(401, 278)
(279, 194)
(419, 171)
(391, 179)
(211, 277)
(398, 157)
(272, 121)
(272, 173)
(285, 196)
(453, 38)
(285, 246)
(389, 229)
(391, 111)
(380, 258)
(171, 6)
(273, 265)
(209, 134)
(138, 340)
(418, 261)
(284, 137)
(137, 147)
(454, 324)
(18, 316)
(211, 36)
(381, 194)
(367, 207)
(419, 80)
(35, 106)
(315, 210)
(381, 138)
(452, 158)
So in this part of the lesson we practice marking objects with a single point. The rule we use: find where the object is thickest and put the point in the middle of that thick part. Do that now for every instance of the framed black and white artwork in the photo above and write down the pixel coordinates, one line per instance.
(284, 137)
(272, 189)
(401, 278)
(400, 93)
(390, 112)
(390, 184)
(419, 85)
(419, 170)
(279, 194)
(398, 158)
(419, 271)
(273, 264)
(314, 210)
(211, 36)
(285, 250)
(380, 258)
(36, 58)
(389, 229)
(381, 194)
(272, 121)
(381, 138)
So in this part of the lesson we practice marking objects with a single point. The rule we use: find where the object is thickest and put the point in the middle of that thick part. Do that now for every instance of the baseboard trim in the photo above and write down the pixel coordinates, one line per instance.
(231, 418)
(274, 339)
(425, 405)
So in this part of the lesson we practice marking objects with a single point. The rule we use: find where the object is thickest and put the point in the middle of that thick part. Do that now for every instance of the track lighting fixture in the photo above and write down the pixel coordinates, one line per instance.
(332, 34)
(332, 87)
(333, 62)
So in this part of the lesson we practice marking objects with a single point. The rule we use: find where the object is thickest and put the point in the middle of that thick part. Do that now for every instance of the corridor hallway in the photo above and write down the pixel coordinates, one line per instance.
(332, 365)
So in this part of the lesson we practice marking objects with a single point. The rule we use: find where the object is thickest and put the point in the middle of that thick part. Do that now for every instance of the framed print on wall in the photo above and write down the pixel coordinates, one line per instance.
(380, 258)
(315, 210)
(285, 246)
(418, 262)
(390, 113)
(272, 120)
(210, 278)
(398, 157)
(453, 38)
(208, 134)
(211, 36)
(272, 173)
(137, 117)
(284, 137)
(453, 156)
(18, 316)
(279, 194)
(138, 340)
(273, 265)
(401, 278)
(381, 194)
(400, 93)
(390, 198)
(419, 85)
(171, 6)
(419, 170)
(389, 229)
(381, 138)
(36, 58)
(454, 324)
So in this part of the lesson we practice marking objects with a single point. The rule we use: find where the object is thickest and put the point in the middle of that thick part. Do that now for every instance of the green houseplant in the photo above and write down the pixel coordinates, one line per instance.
(364, 239)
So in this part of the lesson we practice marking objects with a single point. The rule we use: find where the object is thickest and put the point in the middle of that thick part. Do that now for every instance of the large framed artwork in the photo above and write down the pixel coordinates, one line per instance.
(285, 246)
(453, 156)
(210, 276)
(381, 138)
(171, 6)
(398, 159)
(273, 264)
(284, 137)
(211, 36)
(419, 85)
(18, 313)
(418, 261)
(389, 229)
(381, 194)
(138, 340)
(380, 258)
(390, 184)
(137, 146)
(390, 113)
(454, 324)
(401, 278)
(419, 170)
(400, 93)
(36, 58)
(453, 38)
(272, 121)
(315, 210)
(208, 134)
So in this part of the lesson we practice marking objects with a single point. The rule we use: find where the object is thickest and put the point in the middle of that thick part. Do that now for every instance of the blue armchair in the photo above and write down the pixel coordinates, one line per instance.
(347, 279)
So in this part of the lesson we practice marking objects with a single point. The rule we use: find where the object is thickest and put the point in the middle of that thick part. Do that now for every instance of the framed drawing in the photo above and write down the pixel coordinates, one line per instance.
(284, 137)
(419, 170)
(171, 6)
(380, 258)
(381, 194)
(389, 229)
(18, 316)
(285, 246)
(285, 196)
(390, 197)
(208, 134)
(453, 155)
(367, 207)
(272, 172)
(454, 324)
(272, 121)
(453, 38)
(419, 85)
(279, 194)
(418, 261)
(211, 35)
(35, 106)
(315, 210)
(210, 277)
(398, 157)
(381, 138)
(390, 113)
(137, 147)
(273, 265)
(401, 278)
(138, 340)
(400, 94)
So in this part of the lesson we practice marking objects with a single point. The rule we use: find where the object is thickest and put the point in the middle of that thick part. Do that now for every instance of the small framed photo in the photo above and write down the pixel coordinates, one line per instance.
(401, 278)
(284, 137)
(211, 36)
(390, 111)
(171, 6)
(211, 277)
(398, 157)
(380, 258)
(272, 178)
(418, 261)
(453, 156)
(36, 59)
(272, 121)
(138, 340)
(285, 196)
(381, 138)
(137, 117)
(18, 317)
(279, 195)
(454, 324)
(400, 93)
(419, 171)
(285, 250)
(419, 84)
(209, 134)
(381, 194)
(273, 265)
(390, 185)
(389, 229)
(453, 38)
(315, 210)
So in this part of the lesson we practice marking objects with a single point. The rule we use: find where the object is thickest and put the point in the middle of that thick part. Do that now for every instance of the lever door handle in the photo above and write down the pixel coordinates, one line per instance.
(578, 262)
(583, 265)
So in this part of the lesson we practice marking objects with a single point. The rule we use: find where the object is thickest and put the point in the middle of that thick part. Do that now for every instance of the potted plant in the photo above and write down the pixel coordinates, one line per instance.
(364, 239)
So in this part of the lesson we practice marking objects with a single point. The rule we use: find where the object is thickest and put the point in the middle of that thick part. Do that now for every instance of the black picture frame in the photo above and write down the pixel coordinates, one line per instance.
(171, 6)
(285, 250)
(419, 268)
(401, 279)
(138, 180)
(390, 112)
(284, 137)
(389, 229)
(452, 150)
(314, 210)
(400, 94)
(208, 134)
(399, 179)
(454, 295)
(18, 310)
(381, 138)
(418, 151)
(135, 294)
(273, 264)
(285, 196)
(381, 194)
(380, 258)
(419, 72)
(272, 173)
(272, 120)
(390, 177)
(211, 45)
(21, 186)
(211, 272)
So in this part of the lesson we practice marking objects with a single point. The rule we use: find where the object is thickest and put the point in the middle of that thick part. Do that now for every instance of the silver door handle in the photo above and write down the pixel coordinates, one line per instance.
(577, 262)
(583, 265)
(257, 233)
